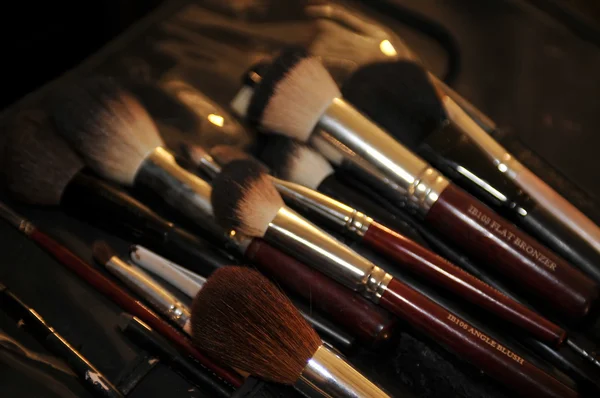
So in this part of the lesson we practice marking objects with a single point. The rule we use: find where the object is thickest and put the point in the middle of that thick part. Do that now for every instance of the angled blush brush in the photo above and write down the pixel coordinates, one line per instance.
(116, 137)
(244, 319)
(108, 288)
(245, 200)
(413, 111)
(298, 98)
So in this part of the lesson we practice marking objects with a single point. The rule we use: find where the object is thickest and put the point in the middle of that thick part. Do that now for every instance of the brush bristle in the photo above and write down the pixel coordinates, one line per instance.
(38, 164)
(225, 154)
(243, 320)
(102, 251)
(244, 198)
(295, 162)
(292, 95)
(399, 97)
(107, 125)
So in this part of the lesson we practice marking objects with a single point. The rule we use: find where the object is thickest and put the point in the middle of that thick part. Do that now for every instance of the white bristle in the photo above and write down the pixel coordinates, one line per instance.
(308, 167)
(328, 150)
(300, 99)
(239, 104)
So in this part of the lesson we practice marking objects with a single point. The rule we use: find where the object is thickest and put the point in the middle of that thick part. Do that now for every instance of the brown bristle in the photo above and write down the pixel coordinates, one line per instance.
(244, 198)
(102, 251)
(243, 320)
(38, 164)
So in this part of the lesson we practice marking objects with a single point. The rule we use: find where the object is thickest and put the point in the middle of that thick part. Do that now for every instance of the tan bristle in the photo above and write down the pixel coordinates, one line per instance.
(300, 99)
(102, 252)
(244, 198)
(107, 126)
(244, 321)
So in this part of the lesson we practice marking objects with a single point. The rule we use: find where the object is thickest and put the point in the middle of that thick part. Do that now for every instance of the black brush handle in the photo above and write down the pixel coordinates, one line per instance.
(91, 199)
(91, 378)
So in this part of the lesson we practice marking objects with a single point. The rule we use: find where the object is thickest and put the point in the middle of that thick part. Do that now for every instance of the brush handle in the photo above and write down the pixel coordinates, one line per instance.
(89, 198)
(346, 308)
(475, 228)
(92, 378)
(468, 343)
(443, 273)
(128, 303)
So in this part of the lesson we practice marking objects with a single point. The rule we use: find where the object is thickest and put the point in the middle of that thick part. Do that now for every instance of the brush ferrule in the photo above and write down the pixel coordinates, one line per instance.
(146, 287)
(301, 239)
(327, 374)
(392, 165)
(335, 214)
(16, 220)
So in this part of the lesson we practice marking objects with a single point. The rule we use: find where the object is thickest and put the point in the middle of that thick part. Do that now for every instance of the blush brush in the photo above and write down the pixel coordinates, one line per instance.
(245, 200)
(297, 97)
(248, 323)
(416, 113)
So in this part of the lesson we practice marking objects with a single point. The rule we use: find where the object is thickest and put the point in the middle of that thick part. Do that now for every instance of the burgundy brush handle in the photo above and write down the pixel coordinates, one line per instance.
(346, 308)
(479, 231)
(470, 344)
(438, 270)
(110, 289)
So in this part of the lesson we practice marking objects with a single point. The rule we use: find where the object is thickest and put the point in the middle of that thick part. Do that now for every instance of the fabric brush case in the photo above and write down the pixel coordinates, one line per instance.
(185, 61)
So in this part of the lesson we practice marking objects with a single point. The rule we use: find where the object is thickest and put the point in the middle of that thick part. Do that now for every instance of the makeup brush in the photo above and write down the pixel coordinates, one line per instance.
(116, 137)
(245, 200)
(108, 288)
(297, 97)
(413, 110)
(245, 320)
(94, 380)
(41, 169)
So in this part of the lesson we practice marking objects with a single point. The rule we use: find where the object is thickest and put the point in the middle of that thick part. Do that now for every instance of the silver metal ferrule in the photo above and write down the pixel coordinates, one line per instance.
(412, 177)
(145, 286)
(334, 213)
(327, 374)
(16, 220)
(291, 233)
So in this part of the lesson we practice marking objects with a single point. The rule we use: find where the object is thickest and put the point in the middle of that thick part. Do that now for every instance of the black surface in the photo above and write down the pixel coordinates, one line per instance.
(533, 76)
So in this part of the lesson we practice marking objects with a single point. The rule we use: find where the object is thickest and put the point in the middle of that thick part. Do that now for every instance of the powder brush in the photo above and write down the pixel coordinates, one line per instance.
(296, 97)
(248, 323)
(245, 200)
(413, 110)
(116, 137)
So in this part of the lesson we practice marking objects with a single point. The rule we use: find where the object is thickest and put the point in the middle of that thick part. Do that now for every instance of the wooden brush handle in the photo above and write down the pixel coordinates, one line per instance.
(131, 305)
(557, 205)
(479, 231)
(470, 344)
(447, 275)
(346, 308)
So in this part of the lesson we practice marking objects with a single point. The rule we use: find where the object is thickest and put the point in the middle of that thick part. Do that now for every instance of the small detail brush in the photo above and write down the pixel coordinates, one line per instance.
(108, 288)
(245, 200)
(91, 377)
(297, 97)
(245, 321)
(116, 138)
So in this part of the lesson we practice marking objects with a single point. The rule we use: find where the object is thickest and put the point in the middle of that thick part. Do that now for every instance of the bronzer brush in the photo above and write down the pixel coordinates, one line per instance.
(413, 111)
(297, 97)
(41, 169)
(245, 320)
(245, 200)
(108, 288)
(118, 139)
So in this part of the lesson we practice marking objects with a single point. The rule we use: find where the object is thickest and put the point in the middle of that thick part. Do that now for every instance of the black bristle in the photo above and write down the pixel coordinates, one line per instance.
(277, 153)
(399, 97)
(229, 189)
(277, 70)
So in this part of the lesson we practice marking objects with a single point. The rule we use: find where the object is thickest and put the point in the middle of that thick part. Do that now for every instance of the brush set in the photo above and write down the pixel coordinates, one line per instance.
(337, 232)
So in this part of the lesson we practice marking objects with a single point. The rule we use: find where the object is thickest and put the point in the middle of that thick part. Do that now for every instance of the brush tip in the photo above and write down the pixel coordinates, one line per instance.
(240, 318)
(244, 198)
(102, 252)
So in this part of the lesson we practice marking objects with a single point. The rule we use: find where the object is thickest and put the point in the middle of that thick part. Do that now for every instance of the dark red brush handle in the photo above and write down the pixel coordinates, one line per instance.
(131, 305)
(481, 232)
(346, 308)
(470, 344)
(438, 270)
